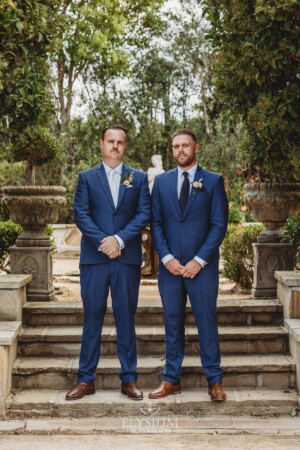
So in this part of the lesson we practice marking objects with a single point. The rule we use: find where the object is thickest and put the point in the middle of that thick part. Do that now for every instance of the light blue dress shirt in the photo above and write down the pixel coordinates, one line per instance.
(116, 179)
(180, 179)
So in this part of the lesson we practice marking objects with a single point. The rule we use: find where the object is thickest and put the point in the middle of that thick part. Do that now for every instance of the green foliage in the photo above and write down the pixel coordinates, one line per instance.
(11, 173)
(26, 29)
(237, 253)
(291, 233)
(126, 75)
(26, 105)
(238, 211)
(9, 232)
(36, 145)
(256, 74)
(95, 41)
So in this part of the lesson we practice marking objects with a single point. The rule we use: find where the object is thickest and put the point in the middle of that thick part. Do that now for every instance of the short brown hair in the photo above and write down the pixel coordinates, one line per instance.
(185, 131)
(114, 127)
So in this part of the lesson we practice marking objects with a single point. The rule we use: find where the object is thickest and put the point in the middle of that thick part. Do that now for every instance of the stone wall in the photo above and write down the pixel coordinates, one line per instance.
(12, 299)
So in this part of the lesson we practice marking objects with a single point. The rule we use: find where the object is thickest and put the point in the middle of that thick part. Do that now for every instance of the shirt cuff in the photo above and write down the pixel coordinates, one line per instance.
(121, 242)
(200, 261)
(167, 258)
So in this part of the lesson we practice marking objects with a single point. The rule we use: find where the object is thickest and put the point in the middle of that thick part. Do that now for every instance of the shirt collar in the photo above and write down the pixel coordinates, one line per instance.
(191, 171)
(117, 169)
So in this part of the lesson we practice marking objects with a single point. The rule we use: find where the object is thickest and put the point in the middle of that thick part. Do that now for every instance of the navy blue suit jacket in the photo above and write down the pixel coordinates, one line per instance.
(97, 217)
(202, 227)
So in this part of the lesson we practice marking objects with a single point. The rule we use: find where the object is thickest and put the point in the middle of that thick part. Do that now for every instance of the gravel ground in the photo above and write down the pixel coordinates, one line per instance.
(67, 288)
(147, 442)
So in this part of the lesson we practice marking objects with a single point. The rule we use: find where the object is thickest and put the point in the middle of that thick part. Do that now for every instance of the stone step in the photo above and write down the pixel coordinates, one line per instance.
(251, 371)
(65, 341)
(230, 312)
(190, 403)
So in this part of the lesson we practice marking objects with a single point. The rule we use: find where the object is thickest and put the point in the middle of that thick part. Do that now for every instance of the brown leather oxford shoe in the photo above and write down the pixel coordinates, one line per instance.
(216, 392)
(131, 390)
(165, 389)
(80, 390)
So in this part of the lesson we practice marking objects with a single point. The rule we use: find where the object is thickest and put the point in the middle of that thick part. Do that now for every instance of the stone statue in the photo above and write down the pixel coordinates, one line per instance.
(155, 170)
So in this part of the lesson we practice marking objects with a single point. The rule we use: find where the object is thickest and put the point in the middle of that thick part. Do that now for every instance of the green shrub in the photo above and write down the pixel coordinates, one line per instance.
(36, 145)
(9, 232)
(256, 74)
(291, 233)
(237, 253)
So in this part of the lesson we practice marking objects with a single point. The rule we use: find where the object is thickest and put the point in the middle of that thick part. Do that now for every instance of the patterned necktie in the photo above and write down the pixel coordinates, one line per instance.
(184, 192)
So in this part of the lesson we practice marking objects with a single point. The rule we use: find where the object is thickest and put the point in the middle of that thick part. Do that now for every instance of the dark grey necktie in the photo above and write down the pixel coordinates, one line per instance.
(184, 192)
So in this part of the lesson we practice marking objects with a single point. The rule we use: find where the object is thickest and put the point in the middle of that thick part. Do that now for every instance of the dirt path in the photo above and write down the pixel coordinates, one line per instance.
(150, 442)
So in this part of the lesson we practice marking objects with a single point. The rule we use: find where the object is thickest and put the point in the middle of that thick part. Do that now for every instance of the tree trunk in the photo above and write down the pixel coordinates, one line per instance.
(167, 130)
(30, 174)
(203, 80)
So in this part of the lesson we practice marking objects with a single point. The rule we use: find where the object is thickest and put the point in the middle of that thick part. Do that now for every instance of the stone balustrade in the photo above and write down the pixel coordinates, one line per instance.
(12, 299)
(12, 296)
(293, 326)
(288, 292)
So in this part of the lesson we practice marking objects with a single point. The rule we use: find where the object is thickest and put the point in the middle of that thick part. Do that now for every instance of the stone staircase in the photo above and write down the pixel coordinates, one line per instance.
(259, 372)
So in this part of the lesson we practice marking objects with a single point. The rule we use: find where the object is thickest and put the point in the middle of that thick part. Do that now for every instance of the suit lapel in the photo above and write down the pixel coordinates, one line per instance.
(104, 183)
(173, 181)
(192, 196)
(122, 189)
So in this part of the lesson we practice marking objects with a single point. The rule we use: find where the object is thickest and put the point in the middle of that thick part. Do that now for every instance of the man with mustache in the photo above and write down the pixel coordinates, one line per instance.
(189, 222)
(111, 208)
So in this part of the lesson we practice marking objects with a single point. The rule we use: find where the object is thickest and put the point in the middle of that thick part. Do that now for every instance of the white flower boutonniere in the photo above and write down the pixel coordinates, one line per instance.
(127, 179)
(197, 186)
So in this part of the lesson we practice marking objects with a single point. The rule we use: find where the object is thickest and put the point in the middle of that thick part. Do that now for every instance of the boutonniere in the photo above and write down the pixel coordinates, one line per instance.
(127, 179)
(197, 186)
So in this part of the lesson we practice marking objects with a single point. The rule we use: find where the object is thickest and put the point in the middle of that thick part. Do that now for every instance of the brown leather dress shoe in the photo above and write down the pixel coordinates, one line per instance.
(165, 389)
(216, 392)
(131, 390)
(80, 390)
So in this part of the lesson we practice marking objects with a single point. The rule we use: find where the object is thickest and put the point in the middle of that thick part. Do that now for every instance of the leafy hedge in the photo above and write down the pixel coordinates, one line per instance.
(9, 232)
(291, 233)
(237, 253)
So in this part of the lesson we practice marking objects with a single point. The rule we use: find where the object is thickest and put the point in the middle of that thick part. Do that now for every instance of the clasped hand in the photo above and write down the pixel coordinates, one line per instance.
(110, 247)
(190, 270)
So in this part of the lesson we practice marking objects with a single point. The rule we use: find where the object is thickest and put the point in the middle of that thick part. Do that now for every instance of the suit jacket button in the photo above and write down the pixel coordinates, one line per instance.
(181, 221)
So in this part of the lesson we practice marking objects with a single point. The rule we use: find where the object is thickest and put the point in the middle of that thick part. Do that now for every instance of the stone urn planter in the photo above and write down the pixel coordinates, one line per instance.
(271, 204)
(34, 207)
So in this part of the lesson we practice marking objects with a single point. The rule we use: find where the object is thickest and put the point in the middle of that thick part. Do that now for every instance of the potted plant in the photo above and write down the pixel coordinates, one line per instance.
(34, 207)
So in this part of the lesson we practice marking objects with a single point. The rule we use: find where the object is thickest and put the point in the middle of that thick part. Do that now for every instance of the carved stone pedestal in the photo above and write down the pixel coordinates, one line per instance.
(271, 204)
(34, 207)
(37, 262)
(269, 257)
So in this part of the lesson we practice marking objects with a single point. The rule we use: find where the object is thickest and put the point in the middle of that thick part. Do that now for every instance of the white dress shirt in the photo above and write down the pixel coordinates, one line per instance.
(180, 179)
(114, 179)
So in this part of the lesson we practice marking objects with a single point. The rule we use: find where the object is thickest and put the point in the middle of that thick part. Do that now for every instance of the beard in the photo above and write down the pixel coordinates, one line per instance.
(186, 161)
